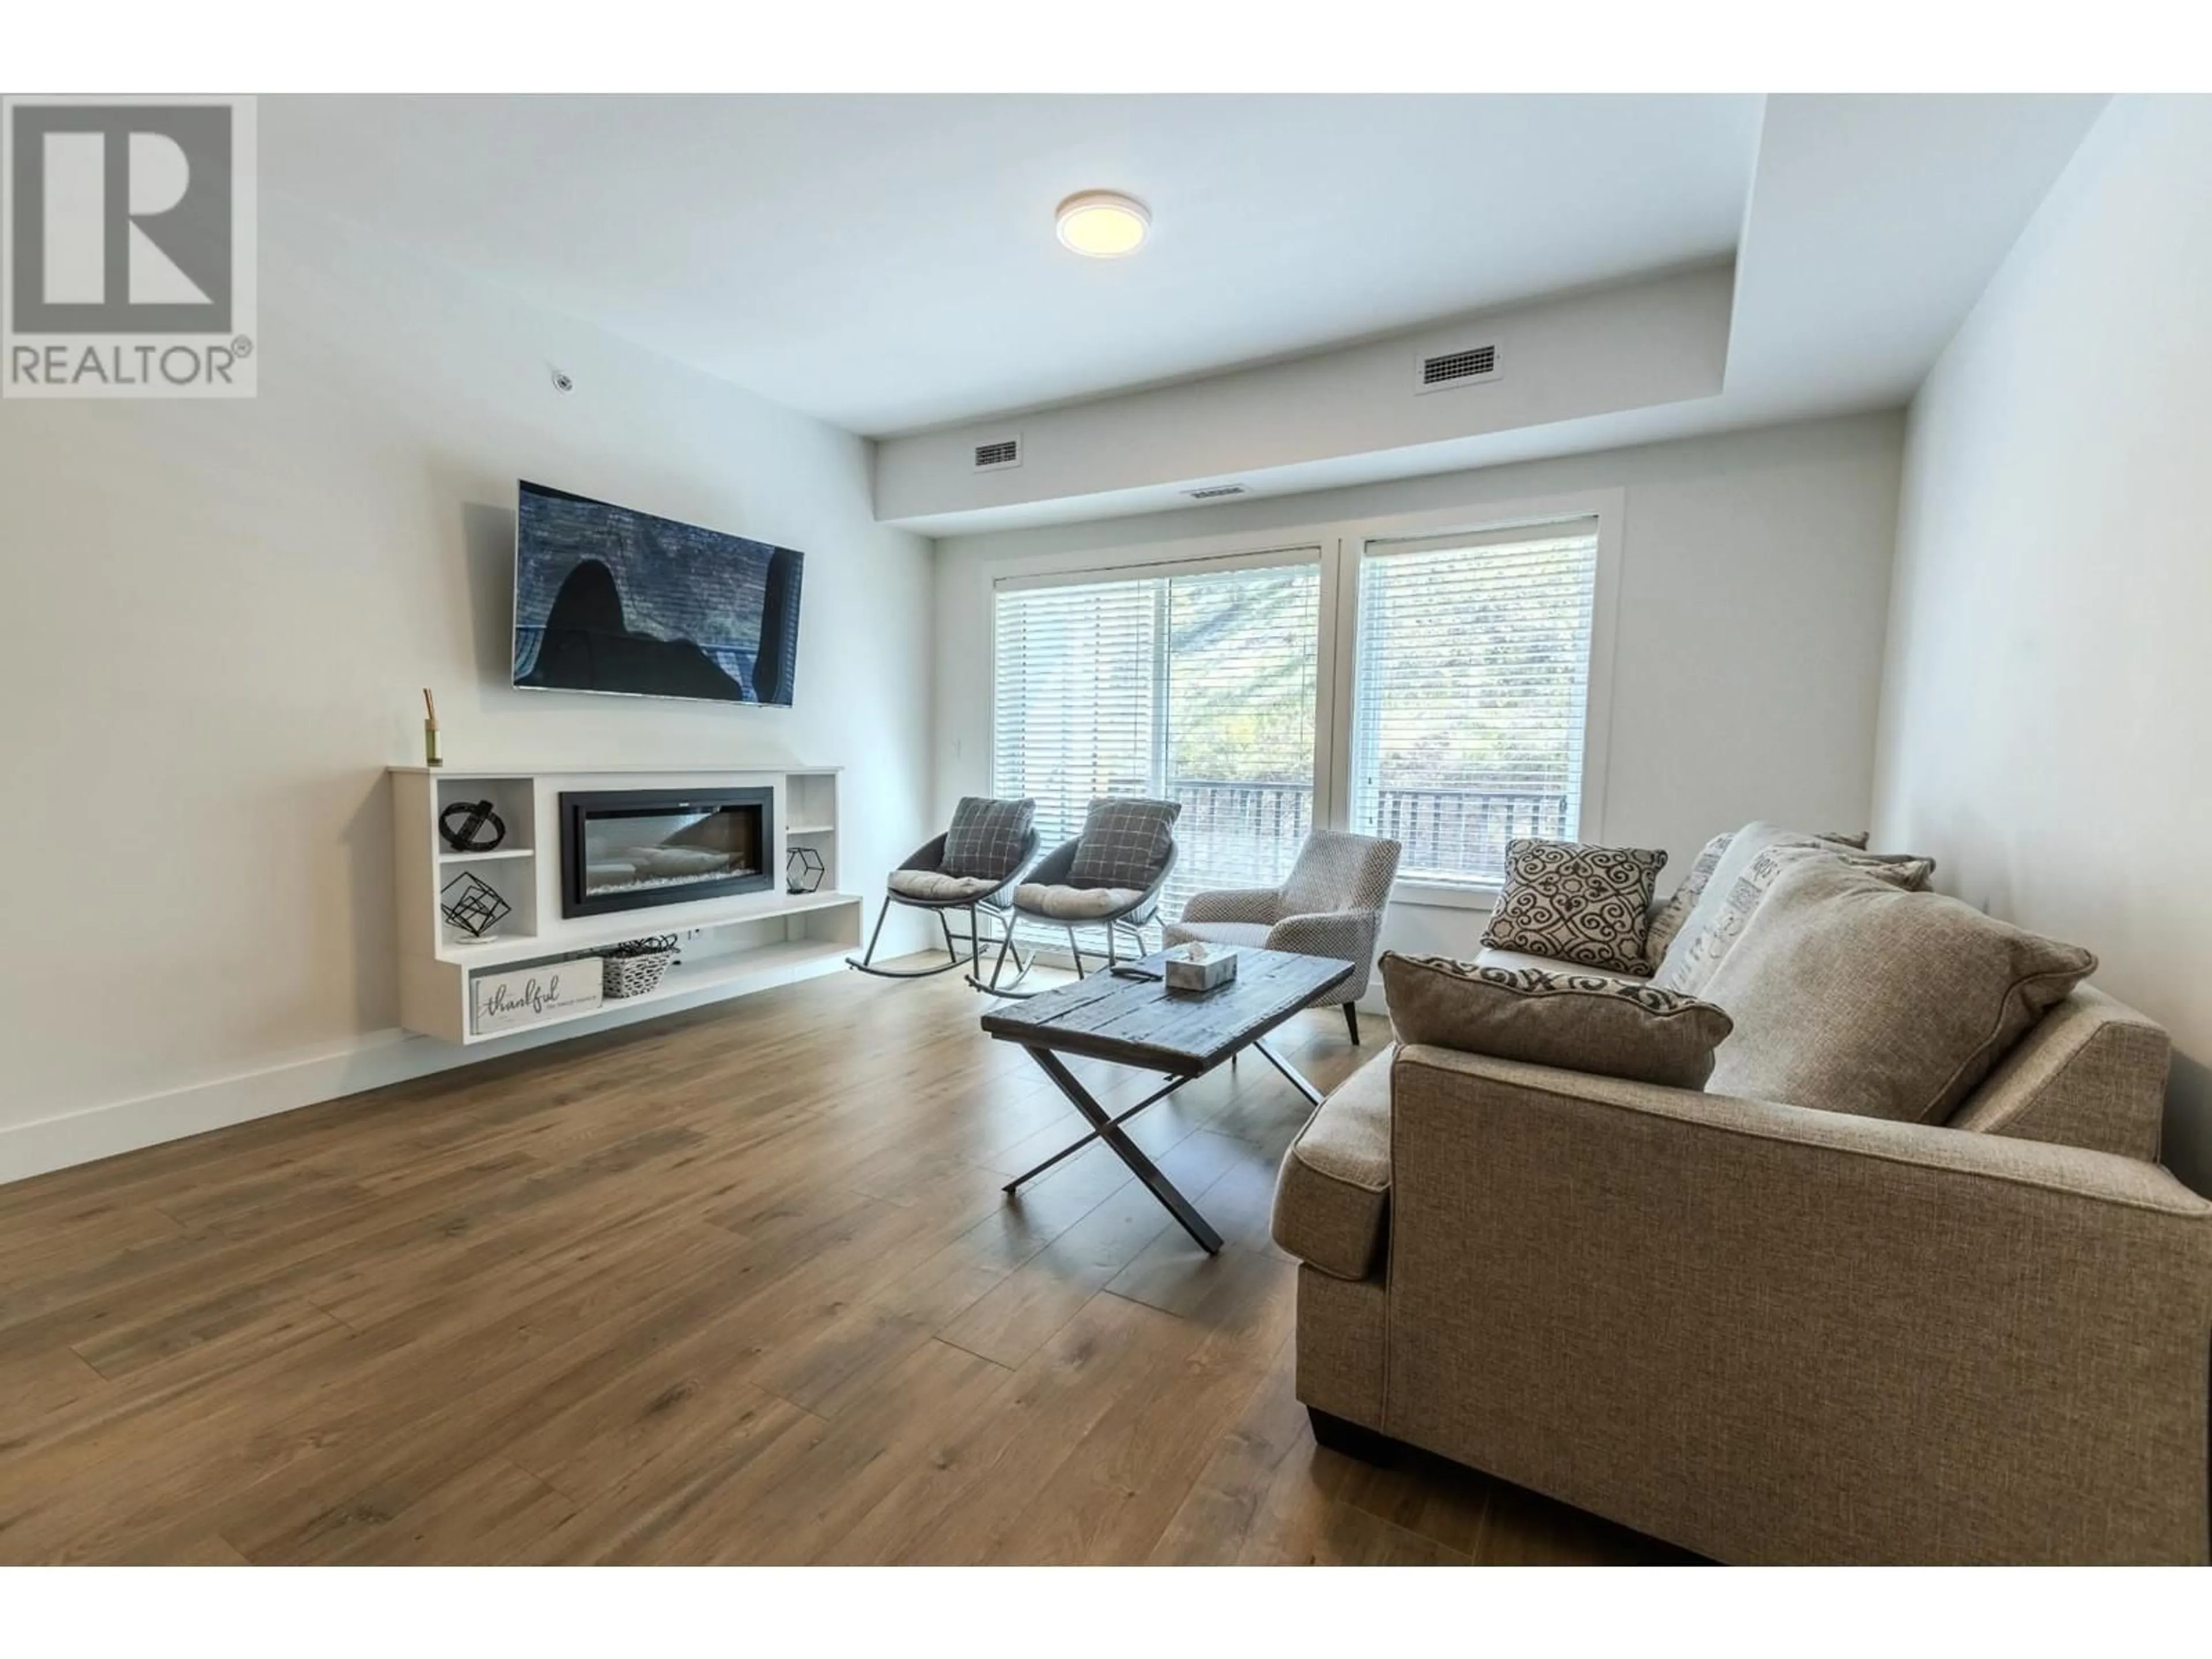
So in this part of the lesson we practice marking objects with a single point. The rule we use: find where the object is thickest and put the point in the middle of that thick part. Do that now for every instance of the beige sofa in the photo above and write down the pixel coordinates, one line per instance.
(1769, 1333)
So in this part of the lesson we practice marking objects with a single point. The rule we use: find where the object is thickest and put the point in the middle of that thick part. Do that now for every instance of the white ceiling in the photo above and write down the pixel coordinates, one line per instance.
(887, 263)
(1874, 225)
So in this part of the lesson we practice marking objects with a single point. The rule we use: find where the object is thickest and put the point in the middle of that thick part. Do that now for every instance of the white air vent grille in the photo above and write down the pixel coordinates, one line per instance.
(998, 453)
(1467, 366)
(1215, 492)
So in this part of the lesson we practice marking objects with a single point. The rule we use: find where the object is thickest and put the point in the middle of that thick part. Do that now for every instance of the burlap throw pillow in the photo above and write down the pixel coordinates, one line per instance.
(1587, 905)
(1584, 1021)
(1852, 995)
(1691, 969)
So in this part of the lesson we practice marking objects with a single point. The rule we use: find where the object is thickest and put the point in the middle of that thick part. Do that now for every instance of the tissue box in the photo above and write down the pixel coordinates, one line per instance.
(1179, 971)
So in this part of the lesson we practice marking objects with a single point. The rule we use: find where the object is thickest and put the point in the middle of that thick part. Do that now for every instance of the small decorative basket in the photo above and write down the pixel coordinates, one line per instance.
(634, 969)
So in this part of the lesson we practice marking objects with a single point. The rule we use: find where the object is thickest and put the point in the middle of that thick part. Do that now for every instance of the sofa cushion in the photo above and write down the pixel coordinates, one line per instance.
(987, 837)
(1667, 916)
(1075, 903)
(1125, 841)
(1332, 1197)
(1251, 934)
(1587, 905)
(935, 887)
(1739, 885)
(1583, 1022)
(1852, 995)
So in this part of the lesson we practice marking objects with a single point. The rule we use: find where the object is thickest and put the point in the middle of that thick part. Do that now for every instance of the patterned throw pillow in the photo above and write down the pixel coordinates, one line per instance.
(1587, 905)
(1583, 1022)
(1125, 839)
(987, 835)
(1666, 919)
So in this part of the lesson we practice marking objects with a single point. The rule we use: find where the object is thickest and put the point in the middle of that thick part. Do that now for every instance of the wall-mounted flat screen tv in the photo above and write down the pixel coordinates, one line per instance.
(608, 598)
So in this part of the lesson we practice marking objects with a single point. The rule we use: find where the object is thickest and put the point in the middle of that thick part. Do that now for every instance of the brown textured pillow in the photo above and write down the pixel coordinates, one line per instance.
(1587, 905)
(1721, 922)
(1852, 995)
(1585, 1022)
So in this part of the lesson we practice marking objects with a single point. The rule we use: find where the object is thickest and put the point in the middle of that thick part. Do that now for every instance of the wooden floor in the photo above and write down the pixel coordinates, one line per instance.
(738, 1286)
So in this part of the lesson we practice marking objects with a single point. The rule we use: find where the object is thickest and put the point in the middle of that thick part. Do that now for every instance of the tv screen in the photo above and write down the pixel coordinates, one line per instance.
(607, 599)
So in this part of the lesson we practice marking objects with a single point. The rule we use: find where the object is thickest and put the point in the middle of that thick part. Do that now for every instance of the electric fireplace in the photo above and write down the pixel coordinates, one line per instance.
(629, 849)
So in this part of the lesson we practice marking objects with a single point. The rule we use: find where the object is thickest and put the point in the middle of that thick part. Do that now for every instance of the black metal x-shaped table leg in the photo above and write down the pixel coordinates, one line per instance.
(1127, 1150)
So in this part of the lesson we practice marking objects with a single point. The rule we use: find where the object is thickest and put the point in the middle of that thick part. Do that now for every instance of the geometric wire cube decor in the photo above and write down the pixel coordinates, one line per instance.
(803, 871)
(473, 905)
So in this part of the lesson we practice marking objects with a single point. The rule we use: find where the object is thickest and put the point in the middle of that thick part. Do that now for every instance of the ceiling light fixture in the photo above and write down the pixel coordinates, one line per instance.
(1102, 224)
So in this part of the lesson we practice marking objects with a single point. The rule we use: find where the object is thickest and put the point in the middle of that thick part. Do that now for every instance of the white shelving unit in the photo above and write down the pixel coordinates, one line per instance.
(727, 946)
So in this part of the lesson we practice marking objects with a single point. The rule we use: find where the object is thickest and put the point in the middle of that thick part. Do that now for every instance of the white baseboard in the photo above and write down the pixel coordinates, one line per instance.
(370, 1062)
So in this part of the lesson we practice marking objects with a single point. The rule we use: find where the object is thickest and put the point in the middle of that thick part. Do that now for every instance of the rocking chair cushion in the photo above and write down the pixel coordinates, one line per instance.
(987, 837)
(1076, 903)
(934, 887)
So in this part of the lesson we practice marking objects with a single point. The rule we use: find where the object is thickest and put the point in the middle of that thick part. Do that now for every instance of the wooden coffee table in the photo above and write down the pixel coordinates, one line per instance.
(1140, 1023)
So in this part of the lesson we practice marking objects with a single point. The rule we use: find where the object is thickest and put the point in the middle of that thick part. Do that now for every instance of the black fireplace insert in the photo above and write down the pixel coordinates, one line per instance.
(628, 849)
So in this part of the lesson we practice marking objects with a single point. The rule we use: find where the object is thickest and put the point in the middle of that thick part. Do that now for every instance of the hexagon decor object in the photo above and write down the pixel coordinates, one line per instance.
(803, 870)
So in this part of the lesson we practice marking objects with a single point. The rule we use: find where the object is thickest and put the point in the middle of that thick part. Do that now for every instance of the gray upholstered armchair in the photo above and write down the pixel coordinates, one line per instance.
(1331, 905)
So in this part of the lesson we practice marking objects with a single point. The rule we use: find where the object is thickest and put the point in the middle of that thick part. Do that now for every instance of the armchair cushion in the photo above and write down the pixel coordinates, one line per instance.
(988, 836)
(1587, 905)
(1239, 904)
(1125, 841)
(1579, 1022)
(1332, 1197)
(1251, 934)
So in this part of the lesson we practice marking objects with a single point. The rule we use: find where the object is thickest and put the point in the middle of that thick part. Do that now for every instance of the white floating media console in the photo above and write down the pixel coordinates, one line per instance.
(743, 941)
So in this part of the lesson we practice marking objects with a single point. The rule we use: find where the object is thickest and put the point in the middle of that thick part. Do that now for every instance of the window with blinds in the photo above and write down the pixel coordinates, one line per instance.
(1470, 693)
(1196, 686)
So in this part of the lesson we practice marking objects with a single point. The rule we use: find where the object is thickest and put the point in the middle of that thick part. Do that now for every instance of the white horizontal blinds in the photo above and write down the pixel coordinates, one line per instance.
(1077, 698)
(1243, 649)
(1471, 694)
(1196, 686)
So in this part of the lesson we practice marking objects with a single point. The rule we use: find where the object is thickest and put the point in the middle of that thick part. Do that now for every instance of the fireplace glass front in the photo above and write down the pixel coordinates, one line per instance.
(627, 850)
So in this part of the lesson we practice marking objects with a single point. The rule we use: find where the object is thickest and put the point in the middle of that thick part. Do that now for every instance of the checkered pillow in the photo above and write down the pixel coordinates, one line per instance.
(986, 837)
(1126, 840)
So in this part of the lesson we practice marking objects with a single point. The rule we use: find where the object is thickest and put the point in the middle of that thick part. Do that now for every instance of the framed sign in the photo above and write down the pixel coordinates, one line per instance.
(530, 996)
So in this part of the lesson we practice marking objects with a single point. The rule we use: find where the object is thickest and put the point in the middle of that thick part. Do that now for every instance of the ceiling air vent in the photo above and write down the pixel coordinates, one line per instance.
(997, 454)
(1468, 366)
(1215, 492)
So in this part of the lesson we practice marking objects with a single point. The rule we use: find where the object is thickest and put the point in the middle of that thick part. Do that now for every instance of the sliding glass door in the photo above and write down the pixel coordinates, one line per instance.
(1195, 684)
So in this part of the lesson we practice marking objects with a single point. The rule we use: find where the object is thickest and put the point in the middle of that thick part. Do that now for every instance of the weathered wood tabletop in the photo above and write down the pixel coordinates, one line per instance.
(1139, 1022)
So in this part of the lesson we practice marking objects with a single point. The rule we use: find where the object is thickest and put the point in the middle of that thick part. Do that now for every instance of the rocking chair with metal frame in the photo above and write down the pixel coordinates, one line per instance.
(922, 882)
(1123, 903)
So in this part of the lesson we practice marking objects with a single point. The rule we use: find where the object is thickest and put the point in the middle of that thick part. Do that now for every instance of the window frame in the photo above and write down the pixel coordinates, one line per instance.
(1341, 545)
(1491, 525)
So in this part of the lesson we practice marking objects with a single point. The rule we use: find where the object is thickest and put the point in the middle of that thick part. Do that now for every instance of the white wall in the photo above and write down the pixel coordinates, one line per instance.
(2047, 726)
(217, 619)
(1754, 589)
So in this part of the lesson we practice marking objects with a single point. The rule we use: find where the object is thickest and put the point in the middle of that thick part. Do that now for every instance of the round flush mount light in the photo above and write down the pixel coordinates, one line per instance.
(1102, 224)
